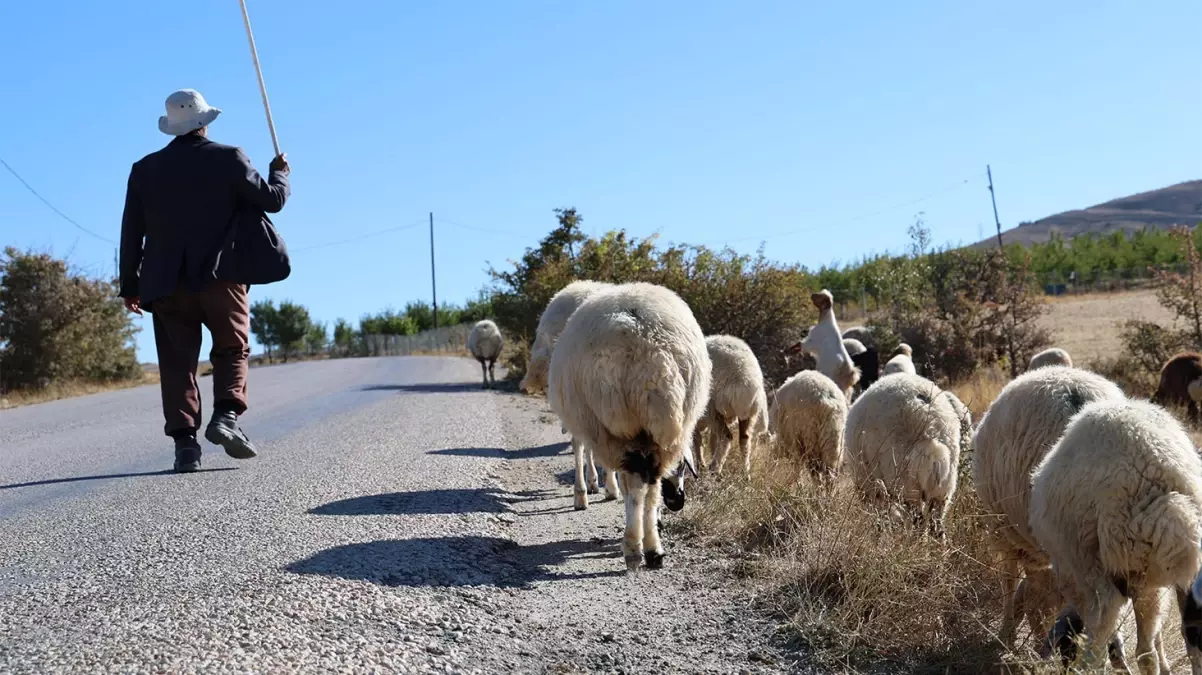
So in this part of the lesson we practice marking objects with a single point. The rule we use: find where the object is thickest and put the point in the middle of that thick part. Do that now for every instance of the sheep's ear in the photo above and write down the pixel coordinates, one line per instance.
(822, 300)
(689, 462)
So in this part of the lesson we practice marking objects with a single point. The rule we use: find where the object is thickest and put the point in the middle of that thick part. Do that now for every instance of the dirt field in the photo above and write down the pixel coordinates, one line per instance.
(1087, 325)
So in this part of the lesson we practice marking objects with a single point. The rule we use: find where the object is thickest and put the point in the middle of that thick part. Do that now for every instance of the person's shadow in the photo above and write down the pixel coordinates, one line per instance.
(108, 476)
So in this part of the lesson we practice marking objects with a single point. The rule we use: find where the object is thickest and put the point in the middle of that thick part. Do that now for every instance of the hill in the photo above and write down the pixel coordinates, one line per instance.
(1179, 204)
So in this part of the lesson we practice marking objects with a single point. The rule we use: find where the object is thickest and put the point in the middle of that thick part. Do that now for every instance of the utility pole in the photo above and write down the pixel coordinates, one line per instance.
(116, 263)
(433, 280)
(992, 198)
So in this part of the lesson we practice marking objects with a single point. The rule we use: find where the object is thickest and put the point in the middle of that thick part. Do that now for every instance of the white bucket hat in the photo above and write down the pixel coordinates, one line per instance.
(187, 111)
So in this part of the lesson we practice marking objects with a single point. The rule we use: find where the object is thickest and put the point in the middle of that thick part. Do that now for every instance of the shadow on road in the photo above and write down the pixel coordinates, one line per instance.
(75, 479)
(473, 500)
(540, 452)
(428, 388)
(458, 561)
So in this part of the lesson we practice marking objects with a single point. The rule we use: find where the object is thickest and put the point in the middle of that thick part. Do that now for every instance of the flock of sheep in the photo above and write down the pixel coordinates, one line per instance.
(1098, 497)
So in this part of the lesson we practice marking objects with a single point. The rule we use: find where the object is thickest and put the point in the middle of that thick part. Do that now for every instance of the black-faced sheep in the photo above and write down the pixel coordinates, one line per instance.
(1052, 356)
(1117, 506)
(904, 437)
(901, 362)
(1021, 425)
(807, 419)
(630, 376)
(866, 360)
(485, 343)
(736, 396)
(550, 325)
(1181, 383)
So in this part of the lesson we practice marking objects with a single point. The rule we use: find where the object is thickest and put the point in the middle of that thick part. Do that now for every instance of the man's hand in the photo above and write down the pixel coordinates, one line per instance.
(280, 163)
(133, 305)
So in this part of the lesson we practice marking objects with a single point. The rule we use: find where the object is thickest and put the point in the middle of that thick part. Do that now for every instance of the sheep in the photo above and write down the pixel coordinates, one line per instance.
(1181, 383)
(484, 343)
(866, 359)
(1053, 356)
(903, 441)
(1117, 506)
(630, 376)
(902, 361)
(1021, 425)
(863, 334)
(825, 343)
(807, 418)
(554, 317)
(736, 395)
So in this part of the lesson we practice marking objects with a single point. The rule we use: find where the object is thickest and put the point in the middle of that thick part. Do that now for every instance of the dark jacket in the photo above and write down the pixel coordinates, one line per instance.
(179, 205)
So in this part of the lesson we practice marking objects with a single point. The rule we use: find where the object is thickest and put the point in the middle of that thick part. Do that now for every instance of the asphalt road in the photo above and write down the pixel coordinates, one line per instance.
(398, 519)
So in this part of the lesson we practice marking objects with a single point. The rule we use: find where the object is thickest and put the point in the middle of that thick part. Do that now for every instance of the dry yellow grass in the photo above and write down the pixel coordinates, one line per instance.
(63, 390)
(1087, 325)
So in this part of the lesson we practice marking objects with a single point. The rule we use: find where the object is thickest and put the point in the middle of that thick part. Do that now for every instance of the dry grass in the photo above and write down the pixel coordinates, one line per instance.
(63, 390)
(863, 592)
(1087, 325)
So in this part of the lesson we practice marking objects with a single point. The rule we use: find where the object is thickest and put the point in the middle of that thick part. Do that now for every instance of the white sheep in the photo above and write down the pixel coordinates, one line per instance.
(807, 419)
(825, 343)
(1117, 506)
(554, 317)
(902, 361)
(736, 396)
(630, 376)
(485, 343)
(1021, 425)
(903, 441)
(1053, 356)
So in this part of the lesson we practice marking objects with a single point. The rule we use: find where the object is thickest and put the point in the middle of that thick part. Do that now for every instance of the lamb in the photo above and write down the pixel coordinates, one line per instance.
(630, 376)
(902, 361)
(1181, 383)
(807, 418)
(904, 437)
(484, 343)
(826, 345)
(736, 395)
(1053, 356)
(554, 317)
(866, 359)
(1117, 505)
(1021, 425)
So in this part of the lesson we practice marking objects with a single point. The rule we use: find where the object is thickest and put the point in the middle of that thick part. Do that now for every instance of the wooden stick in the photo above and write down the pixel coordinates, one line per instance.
(254, 54)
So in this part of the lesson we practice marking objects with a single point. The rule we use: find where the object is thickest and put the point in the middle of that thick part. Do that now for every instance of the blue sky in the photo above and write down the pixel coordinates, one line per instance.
(708, 122)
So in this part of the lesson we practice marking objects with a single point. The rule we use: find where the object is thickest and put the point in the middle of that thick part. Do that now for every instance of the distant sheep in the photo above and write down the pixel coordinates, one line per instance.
(902, 361)
(825, 343)
(485, 343)
(630, 376)
(1181, 383)
(1117, 505)
(554, 317)
(1053, 356)
(863, 334)
(807, 418)
(904, 437)
(736, 396)
(865, 359)
(1020, 427)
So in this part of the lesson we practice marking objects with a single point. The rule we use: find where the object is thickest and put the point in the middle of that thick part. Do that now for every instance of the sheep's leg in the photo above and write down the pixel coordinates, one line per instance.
(612, 491)
(745, 444)
(653, 550)
(1147, 603)
(934, 517)
(580, 490)
(632, 540)
(1191, 629)
(698, 453)
(720, 438)
(1011, 600)
(1102, 604)
(484, 372)
(590, 465)
(492, 375)
(1038, 600)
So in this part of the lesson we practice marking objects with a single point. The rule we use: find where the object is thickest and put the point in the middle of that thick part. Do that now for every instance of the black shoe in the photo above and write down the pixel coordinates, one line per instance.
(223, 430)
(187, 455)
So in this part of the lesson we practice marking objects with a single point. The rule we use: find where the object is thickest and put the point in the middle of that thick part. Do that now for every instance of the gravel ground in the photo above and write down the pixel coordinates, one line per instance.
(398, 519)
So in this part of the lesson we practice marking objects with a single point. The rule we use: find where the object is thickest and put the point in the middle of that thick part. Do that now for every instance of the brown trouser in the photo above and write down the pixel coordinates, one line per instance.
(224, 309)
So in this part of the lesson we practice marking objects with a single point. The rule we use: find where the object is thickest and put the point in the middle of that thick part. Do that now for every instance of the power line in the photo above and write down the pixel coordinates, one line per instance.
(62, 215)
(359, 237)
(473, 228)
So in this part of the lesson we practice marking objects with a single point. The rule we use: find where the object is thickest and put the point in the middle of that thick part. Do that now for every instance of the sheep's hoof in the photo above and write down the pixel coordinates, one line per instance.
(611, 497)
(581, 500)
(654, 560)
(593, 488)
(633, 560)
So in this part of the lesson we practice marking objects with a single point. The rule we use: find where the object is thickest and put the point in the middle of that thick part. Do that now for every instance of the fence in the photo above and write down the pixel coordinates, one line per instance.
(446, 340)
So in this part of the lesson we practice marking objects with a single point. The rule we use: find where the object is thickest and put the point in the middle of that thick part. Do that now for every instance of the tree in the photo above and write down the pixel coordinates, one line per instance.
(316, 339)
(344, 337)
(59, 325)
(291, 326)
(264, 318)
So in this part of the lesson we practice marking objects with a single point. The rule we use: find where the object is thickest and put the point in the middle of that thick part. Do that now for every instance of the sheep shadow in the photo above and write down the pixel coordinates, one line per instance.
(422, 502)
(539, 452)
(457, 561)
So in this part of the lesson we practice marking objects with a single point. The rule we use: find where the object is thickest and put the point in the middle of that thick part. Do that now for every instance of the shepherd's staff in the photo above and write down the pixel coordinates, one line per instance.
(254, 54)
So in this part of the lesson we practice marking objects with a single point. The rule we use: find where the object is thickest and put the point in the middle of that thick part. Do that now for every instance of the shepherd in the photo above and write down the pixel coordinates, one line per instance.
(184, 258)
